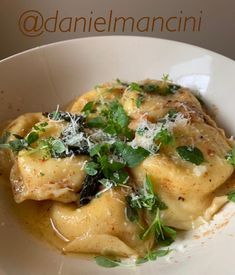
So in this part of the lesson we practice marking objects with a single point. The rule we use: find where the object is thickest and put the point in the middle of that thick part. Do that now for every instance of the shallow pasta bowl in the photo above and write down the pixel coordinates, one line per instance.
(39, 79)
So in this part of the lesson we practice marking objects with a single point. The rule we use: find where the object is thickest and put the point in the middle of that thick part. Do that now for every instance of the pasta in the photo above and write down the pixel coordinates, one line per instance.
(125, 166)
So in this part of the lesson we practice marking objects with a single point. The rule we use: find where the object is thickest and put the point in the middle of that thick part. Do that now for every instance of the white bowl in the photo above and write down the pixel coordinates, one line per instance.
(39, 79)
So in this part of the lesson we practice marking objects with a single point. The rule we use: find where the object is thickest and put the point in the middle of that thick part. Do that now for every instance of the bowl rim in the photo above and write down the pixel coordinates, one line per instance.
(100, 37)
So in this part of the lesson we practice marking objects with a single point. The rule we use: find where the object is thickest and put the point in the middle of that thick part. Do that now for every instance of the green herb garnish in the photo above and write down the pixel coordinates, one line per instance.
(40, 127)
(231, 156)
(133, 86)
(32, 137)
(113, 120)
(166, 77)
(161, 232)
(131, 156)
(91, 168)
(146, 198)
(97, 122)
(231, 196)
(49, 147)
(153, 255)
(57, 147)
(191, 154)
(139, 101)
(17, 145)
(131, 212)
(87, 109)
(151, 88)
(164, 137)
(109, 262)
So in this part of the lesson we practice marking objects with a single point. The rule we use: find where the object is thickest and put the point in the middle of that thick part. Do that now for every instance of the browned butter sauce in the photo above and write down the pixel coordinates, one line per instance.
(33, 216)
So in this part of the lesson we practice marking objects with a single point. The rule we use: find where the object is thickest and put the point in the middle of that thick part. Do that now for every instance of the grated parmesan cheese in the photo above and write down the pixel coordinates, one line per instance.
(199, 170)
(147, 131)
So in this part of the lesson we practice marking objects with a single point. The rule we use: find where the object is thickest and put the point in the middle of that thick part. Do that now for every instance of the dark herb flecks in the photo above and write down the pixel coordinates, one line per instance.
(90, 188)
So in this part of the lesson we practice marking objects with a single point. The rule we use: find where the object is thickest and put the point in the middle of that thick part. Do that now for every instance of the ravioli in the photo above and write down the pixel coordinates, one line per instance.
(100, 227)
(36, 178)
(20, 126)
(186, 188)
(125, 166)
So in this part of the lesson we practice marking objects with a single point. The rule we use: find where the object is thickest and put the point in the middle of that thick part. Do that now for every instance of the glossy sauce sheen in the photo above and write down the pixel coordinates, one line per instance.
(188, 190)
(33, 216)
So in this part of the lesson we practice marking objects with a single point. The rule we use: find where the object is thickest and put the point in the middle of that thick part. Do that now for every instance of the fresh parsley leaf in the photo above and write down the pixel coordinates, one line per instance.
(44, 147)
(164, 137)
(40, 127)
(133, 86)
(97, 122)
(113, 120)
(231, 156)
(153, 255)
(121, 117)
(131, 156)
(88, 108)
(108, 167)
(120, 177)
(17, 145)
(95, 150)
(103, 161)
(32, 137)
(98, 149)
(109, 263)
(141, 261)
(49, 147)
(192, 154)
(231, 196)
(91, 168)
(106, 262)
(58, 146)
(151, 88)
